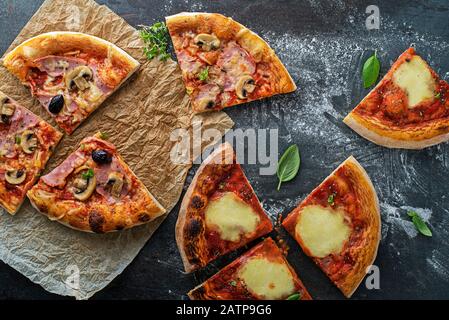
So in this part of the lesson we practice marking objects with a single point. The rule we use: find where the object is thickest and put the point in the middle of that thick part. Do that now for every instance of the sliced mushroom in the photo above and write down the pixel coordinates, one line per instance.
(115, 182)
(28, 141)
(6, 109)
(207, 42)
(83, 186)
(245, 85)
(79, 78)
(15, 176)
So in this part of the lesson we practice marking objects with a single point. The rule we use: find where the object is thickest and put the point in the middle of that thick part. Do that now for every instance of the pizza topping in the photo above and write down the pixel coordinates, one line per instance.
(235, 61)
(267, 279)
(84, 185)
(244, 86)
(115, 183)
(101, 156)
(7, 109)
(207, 42)
(57, 177)
(15, 176)
(414, 77)
(323, 230)
(28, 141)
(231, 217)
(79, 78)
(206, 97)
(56, 104)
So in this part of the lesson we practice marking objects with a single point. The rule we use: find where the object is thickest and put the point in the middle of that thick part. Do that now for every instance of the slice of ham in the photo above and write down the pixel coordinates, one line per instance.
(57, 66)
(57, 177)
(102, 174)
(206, 93)
(189, 64)
(235, 62)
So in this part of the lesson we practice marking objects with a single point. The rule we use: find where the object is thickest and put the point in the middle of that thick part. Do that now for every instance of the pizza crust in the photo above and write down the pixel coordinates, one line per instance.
(59, 42)
(214, 157)
(227, 29)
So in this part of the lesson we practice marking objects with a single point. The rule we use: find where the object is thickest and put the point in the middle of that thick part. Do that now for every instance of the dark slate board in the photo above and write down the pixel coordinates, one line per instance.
(323, 44)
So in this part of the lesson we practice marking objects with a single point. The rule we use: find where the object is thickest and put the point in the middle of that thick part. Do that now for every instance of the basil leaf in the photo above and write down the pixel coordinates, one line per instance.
(204, 74)
(370, 71)
(330, 199)
(88, 174)
(295, 296)
(421, 226)
(288, 165)
(419, 223)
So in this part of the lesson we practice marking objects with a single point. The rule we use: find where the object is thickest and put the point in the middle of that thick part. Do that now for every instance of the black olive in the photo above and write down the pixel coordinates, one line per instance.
(56, 104)
(5, 119)
(101, 156)
(210, 105)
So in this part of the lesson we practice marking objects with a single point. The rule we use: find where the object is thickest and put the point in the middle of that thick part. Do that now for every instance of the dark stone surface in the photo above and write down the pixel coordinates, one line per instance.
(410, 267)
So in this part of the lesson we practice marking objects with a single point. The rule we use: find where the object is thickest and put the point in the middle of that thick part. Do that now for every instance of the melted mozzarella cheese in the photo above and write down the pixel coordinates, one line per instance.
(415, 78)
(267, 279)
(322, 230)
(231, 217)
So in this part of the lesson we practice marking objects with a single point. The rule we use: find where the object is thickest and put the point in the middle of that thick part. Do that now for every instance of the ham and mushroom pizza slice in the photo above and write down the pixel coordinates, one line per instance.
(94, 190)
(223, 63)
(338, 225)
(26, 144)
(262, 273)
(70, 73)
(408, 109)
(220, 211)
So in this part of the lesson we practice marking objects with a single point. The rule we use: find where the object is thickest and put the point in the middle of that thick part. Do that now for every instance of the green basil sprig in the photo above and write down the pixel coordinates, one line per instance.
(370, 71)
(419, 223)
(288, 165)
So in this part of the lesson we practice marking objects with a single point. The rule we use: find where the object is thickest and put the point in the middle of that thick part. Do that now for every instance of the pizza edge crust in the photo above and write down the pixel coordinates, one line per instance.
(248, 39)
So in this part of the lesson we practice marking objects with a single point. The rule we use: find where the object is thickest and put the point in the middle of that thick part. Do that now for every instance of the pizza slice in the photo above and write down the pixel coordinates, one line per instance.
(223, 63)
(70, 73)
(26, 144)
(338, 225)
(220, 211)
(94, 190)
(408, 109)
(262, 273)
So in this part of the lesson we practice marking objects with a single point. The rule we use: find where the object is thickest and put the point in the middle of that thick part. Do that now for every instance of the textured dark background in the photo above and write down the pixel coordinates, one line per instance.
(410, 266)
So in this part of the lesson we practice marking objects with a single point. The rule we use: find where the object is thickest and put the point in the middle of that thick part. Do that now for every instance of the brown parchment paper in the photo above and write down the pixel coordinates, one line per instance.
(138, 119)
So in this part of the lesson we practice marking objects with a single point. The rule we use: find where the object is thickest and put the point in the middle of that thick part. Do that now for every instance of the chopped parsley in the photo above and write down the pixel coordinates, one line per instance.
(88, 174)
(104, 135)
(233, 283)
(295, 296)
(331, 199)
(18, 139)
(204, 74)
(155, 38)
(438, 95)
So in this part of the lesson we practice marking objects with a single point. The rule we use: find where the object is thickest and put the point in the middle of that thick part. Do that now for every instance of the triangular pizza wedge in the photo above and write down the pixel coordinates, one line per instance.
(262, 273)
(94, 190)
(408, 109)
(26, 144)
(220, 211)
(70, 73)
(223, 63)
(338, 225)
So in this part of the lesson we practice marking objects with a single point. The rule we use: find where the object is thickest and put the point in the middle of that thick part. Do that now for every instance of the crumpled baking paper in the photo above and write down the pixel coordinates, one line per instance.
(138, 119)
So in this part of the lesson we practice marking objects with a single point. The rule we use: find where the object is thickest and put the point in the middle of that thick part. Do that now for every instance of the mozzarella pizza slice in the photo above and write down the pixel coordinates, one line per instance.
(408, 109)
(26, 144)
(338, 225)
(94, 190)
(220, 211)
(70, 73)
(224, 63)
(262, 273)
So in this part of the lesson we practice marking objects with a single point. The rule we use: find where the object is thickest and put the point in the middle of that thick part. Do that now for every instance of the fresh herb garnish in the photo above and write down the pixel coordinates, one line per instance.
(155, 38)
(88, 174)
(295, 296)
(330, 199)
(104, 135)
(288, 165)
(204, 74)
(419, 223)
(438, 95)
(233, 283)
(18, 139)
(370, 71)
